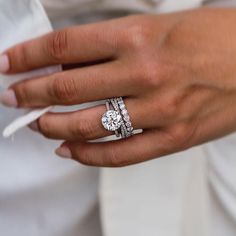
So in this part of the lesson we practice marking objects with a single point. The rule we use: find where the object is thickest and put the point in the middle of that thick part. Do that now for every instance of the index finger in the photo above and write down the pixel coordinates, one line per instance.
(77, 44)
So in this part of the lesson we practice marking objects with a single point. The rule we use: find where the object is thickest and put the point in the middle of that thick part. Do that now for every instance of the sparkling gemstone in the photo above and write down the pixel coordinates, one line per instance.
(111, 120)
(122, 106)
(126, 118)
(130, 129)
(124, 112)
(128, 124)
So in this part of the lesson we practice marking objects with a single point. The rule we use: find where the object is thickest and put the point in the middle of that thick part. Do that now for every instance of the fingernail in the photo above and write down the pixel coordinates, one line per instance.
(64, 152)
(4, 63)
(34, 126)
(8, 98)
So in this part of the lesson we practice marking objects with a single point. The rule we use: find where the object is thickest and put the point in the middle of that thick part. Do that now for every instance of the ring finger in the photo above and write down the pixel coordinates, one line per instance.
(86, 124)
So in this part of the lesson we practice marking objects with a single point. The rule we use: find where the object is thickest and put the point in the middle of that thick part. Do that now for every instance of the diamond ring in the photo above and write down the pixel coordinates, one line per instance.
(117, 119)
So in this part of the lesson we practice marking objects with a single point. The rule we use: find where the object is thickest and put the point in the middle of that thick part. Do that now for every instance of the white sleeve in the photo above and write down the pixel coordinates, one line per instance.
(220, 3)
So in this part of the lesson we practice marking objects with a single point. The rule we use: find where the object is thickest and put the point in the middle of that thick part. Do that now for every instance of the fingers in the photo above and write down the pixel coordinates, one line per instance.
(72, 45)
(138, 148)
(73, 87)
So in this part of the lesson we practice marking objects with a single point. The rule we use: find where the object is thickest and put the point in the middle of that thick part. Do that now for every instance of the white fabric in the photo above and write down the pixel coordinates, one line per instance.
(220, 3)
(57, 8)
(221, 172)
(157, 198)
(221, 177)
(40, 194)
(37, 26)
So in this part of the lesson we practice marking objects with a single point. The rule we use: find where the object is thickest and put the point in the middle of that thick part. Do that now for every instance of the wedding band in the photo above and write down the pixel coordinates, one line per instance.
(125, 117)
(123, 131)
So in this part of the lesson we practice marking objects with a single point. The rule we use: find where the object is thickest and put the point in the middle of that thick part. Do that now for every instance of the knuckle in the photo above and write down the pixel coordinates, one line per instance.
(115, 160)
(63, 89)
(172, 36)
(151, 74)
(57, 45)
(168, 109)
(181, 136)
(82, 128)
(145, 75)
(83, 156)
(22, 56)
(137, 36)
(45, 127)
(22, 94)
(174, 139)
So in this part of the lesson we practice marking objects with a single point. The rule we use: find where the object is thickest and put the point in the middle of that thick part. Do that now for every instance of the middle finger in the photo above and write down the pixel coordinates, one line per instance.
(76, 86)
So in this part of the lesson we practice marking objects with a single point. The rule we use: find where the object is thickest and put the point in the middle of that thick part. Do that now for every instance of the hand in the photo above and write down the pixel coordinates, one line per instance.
(176, 72)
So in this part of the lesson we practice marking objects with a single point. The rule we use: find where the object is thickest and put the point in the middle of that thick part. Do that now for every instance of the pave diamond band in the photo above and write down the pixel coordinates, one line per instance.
(117, 119)
(125, 116)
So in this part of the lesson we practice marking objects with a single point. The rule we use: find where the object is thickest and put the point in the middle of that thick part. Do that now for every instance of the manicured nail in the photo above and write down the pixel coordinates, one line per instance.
(4, 63)
(8, 98)
(64, 152)
(34, 126)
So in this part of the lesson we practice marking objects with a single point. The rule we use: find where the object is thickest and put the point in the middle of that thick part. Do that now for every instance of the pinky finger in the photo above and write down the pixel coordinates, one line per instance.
(138, 148)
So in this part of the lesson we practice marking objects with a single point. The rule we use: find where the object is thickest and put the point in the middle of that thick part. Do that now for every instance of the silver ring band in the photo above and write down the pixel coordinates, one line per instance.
(123, 130)
(125, 116)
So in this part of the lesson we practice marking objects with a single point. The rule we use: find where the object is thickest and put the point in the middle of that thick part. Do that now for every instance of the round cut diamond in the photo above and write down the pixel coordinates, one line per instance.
(111, 120)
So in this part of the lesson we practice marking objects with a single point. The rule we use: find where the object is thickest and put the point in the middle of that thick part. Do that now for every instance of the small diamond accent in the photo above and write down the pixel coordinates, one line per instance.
(128, 124)
(130, 129)
(111, 120)
(122, 106)
(124, 112)
(127, 118)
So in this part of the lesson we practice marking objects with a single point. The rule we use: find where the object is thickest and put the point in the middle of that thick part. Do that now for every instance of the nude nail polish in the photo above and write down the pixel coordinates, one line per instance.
(34, 126)
(8, 98)
(4, 63)
(64, 152)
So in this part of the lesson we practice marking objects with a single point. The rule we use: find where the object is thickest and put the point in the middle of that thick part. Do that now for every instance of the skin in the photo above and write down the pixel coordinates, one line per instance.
(176, 72)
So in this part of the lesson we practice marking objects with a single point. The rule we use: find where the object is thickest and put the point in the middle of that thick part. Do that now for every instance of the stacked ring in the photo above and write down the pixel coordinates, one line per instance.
(117, 119)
